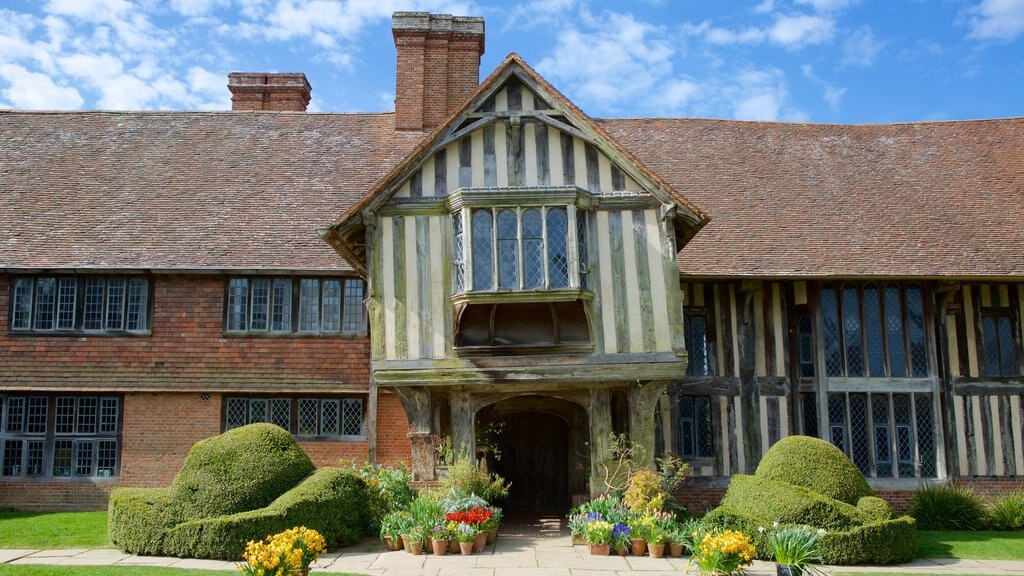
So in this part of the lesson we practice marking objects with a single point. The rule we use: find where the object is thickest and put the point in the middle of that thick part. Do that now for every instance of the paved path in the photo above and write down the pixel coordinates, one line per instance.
(536, 549)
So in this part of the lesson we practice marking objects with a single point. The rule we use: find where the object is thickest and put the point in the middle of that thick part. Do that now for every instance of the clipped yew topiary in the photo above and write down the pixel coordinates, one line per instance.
(789, 504)
(817, 465)
(242, 469)
(138, 519)
(875, 508)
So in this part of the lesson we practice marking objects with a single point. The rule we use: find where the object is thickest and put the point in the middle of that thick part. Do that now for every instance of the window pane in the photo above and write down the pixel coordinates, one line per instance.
(508, 249)
(702, 422)
(95, 291)
(64, 423)
(87, 417)
(809, 409)
(558, 259)
(66, 301)
(238, 303)
(62, 455)
(883, 442)
(904, 434)
(138, 305)
(307, 417)
(15, 415)
(859, 433)
(990, 337)
(46, 298)
(21, 318)
(873, 331)
(805, 340)
(581, 247)
(115, 304)
(108, 415)
(915, 330)
(1008, 364)
(852, 332)
(533, 249)
(85, 457)
(106, 458)
(687, 436)
(483, 250)
(258, 410)
(830, 323)
(352, 417)
(355, 317)
(332, 306)
(837, 420)
(281, 314)
(236, 413)
(329, 415)
(34, 458)
(309, 305)
(12, 457)
(36, 421)
(925, 434)
(894, 330)
(695, 334)
(260, 309)
(459, 252)
(281, 412)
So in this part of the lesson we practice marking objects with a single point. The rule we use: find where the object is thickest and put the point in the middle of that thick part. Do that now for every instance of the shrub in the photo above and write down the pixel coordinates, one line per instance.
(774, 501)
(466, 477)
(948, 507)
(814, 464)
(1006, 511)
(330, 501)
(875, 508)
(643, 493)
(138, 519)
(242, 469)
(388, 488)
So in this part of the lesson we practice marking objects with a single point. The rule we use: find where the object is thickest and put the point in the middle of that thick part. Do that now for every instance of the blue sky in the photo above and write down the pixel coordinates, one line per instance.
(843, 61)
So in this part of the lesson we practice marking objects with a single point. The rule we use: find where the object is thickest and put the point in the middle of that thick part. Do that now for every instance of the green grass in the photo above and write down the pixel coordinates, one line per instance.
(53, 530)
(898, 574)
(971, 545)
(40, 570)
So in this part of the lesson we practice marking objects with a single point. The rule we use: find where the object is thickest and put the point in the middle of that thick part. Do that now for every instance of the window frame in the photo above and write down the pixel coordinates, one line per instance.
(295, 403)
(79, 312)
(694, 452)
(997, 314)
(292, 307)
(710, 358)
(53, 441)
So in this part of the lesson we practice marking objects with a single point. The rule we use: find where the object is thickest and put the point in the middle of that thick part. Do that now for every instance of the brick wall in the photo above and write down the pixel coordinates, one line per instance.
(56, 496)
(187, 351)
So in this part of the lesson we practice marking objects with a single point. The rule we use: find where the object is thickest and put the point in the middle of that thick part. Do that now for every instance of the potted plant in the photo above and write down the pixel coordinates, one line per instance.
(656, 539)
(620, 538)
(493, 524)
(439, 539)
(639, 527)
(413, 539)
(599, 537)
(291, 552)
(722, 552)
(577, 523)
(795, 548)
(676, 542)
(465, 534)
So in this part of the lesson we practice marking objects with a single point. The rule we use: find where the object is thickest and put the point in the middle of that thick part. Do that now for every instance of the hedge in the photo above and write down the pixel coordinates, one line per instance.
(776, 501)
(883, 542)
(330, 501)
(814, 464)
(242, 469)
(875, 508)
(138, 519)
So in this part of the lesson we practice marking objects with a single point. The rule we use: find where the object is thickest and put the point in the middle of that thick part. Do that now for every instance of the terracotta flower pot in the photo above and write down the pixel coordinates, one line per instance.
(440, 546)
(656, 550)
(638, 546)
(600, 549)
(577, 539)
(492, 535)
(415, 547)
(453, 545)
(480, 542)
(621, 550)
(466, 548)
(392, 545)
(675, 549)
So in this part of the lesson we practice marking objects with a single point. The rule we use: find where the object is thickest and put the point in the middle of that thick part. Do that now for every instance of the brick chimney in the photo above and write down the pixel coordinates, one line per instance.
(438, 66)
(272, 92)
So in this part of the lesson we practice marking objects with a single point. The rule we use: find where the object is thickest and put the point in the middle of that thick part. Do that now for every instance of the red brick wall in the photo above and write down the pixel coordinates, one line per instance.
(392, 431)
(56, 496)
(187, 350)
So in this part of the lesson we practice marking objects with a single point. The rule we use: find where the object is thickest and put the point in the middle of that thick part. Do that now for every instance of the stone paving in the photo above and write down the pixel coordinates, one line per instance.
(539, 548)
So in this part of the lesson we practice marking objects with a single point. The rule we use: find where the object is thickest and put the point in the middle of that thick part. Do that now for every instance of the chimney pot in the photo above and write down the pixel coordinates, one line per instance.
(269, 92)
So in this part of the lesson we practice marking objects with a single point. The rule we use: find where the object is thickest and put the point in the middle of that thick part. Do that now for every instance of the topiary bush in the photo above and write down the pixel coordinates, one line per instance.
(330, 501)
(1006, 511)
(242, 469)
(814, 464)
(776, 501)
(138, 519)
(948, 507)
(875, 508)
(885, 542)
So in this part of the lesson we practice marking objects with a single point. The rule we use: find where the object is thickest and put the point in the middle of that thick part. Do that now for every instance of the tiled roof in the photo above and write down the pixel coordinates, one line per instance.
(230, 190)
(184, 190)
(935, 199)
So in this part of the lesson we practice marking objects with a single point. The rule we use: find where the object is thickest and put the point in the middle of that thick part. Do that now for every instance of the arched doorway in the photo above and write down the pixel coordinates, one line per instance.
(542, 450)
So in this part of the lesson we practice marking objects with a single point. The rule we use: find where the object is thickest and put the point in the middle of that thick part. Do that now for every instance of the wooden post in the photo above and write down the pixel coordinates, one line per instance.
(600, 415)
(416, 402)
(642, 398)
(747, 337)
(463, 425)
(371, 423)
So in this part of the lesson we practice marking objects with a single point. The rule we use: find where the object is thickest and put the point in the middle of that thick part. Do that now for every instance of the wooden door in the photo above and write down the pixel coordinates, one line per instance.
(535, 458)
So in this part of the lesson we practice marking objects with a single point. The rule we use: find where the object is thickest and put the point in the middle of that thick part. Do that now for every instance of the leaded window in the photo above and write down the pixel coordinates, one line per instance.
(997, 344)
(518, 248)
(45, 304)
(307, 417)
(695, 335)
(874, 331)
(281, 305)
(886, 435)
(696, 436)
(81, 439)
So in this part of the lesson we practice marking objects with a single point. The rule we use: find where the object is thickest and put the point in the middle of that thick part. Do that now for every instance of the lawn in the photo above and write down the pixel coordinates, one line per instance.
(971, 545)
(39, 570)
(53, 530)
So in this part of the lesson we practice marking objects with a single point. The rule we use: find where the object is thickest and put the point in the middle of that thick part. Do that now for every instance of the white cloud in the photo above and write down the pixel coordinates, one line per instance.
(35, 91)
(861, 48)
(996, 20)
(537, 12)
(828, 5)
(760, 95)
(105, 73)
(792, 31)
(197, 7)
(765, 7)
(833, 95)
